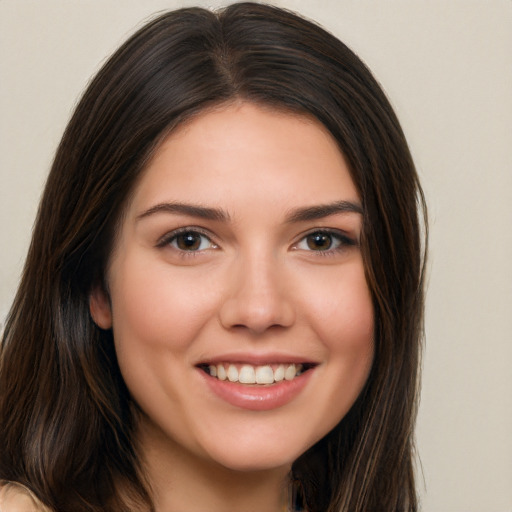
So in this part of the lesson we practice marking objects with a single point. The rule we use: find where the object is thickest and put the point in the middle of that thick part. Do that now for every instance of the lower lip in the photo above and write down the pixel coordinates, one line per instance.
(257, 397)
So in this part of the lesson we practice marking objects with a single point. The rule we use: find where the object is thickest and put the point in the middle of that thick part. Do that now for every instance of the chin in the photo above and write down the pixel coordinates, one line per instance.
(263, 462)
(257, 456)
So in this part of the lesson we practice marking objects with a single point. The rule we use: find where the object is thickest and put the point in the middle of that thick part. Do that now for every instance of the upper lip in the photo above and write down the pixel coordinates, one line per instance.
(256, 359)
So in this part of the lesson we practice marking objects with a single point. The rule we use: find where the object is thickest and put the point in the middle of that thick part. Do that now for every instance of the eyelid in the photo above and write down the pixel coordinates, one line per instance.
(345, 240)
(166, 239)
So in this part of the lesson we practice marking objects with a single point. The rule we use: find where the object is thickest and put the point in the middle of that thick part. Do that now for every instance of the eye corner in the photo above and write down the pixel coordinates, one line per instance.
(335, 241)
(187, 240)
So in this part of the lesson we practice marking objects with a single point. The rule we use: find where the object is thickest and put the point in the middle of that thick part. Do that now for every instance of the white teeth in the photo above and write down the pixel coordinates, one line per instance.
(221, 372)
(290, 372)
(232, 373)
(264, 375)
(249, 374)
(279, 373)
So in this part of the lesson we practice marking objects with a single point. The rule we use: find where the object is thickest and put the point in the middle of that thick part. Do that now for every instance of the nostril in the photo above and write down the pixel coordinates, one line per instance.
(256, 314)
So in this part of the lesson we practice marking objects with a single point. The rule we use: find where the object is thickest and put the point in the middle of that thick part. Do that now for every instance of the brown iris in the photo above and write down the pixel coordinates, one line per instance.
(319, 241)
(188, 241)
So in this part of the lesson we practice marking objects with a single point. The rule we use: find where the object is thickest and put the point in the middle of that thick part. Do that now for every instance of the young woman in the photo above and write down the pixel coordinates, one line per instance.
(221, 308)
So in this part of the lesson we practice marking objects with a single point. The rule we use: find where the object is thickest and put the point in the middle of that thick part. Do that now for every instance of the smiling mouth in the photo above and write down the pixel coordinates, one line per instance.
(267, 374)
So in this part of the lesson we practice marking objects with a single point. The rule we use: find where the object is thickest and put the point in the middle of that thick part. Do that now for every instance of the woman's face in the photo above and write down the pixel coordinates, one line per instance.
(238, 260)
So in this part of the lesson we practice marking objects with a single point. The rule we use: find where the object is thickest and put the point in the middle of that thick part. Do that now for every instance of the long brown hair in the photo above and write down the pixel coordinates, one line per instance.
(66, 418)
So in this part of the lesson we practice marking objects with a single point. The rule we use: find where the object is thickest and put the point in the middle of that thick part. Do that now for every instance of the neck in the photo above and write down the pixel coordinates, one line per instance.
(184, 482)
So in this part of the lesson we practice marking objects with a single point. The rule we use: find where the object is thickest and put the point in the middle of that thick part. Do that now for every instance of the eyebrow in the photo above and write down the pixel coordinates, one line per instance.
(201, 212)
(324, 210)
(304, 214)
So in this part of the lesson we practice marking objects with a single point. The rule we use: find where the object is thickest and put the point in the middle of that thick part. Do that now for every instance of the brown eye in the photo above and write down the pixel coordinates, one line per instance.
(190, 241)
(325, 241)
(319, 241)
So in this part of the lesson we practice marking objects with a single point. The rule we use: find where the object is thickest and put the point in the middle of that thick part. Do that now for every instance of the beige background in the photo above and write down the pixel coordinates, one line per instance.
(446, 64)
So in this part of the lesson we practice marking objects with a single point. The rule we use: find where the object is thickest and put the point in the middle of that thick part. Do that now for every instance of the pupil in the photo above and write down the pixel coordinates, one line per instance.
(319, 241)
(189, 241)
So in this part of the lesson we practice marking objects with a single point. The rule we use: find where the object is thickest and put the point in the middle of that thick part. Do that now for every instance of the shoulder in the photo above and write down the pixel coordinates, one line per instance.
(17, 498)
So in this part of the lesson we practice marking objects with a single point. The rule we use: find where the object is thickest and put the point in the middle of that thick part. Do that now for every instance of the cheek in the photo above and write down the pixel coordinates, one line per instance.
(159, 309)
(157, 316)
(341, 312)
(338, 309)
(342, 318)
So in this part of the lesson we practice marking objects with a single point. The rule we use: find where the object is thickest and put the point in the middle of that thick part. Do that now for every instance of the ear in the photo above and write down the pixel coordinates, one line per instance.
(99, 306)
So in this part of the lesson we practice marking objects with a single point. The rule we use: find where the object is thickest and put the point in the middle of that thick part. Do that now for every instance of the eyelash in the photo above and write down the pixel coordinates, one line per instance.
(170, 238)
(341, 240)
(336, 237)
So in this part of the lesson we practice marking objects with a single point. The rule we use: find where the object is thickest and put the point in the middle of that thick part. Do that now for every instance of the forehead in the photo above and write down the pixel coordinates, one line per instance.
(244, 150)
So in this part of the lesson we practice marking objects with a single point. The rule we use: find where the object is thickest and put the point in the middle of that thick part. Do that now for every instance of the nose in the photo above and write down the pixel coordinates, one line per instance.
(258, 298)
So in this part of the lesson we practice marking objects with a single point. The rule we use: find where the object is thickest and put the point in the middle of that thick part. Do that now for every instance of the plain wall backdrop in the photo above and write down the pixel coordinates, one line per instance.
(447, 67)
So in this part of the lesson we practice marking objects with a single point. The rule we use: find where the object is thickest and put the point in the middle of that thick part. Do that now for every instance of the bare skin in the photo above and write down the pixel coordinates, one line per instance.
(239, 252)
(177, 479)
